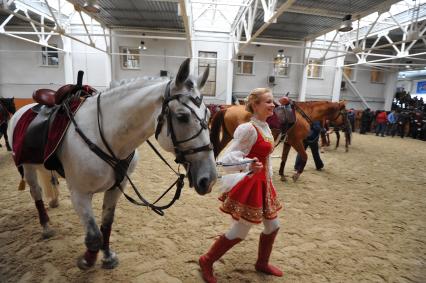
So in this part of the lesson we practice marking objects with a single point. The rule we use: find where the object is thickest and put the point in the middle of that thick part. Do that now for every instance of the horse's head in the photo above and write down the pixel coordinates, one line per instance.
(184, 128)
(9, 104)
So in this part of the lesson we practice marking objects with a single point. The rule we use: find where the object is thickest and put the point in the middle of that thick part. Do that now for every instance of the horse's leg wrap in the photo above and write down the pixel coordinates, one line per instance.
(90, 257)
(93, 238)
(42, 214)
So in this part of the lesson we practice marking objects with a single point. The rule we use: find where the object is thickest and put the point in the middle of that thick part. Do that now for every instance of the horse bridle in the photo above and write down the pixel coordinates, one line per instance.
(344, 114)
(166, 115)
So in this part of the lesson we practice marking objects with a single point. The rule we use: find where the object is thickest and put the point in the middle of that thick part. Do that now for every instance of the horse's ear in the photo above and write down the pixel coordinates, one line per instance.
(183, 73)
(202, 79)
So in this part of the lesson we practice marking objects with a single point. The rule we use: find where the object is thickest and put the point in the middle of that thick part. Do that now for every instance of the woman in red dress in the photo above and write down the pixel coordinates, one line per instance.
(250, 196)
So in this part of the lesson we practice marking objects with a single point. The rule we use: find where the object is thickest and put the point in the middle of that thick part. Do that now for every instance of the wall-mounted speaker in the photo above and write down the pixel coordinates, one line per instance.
(164, 73)
(271, 79)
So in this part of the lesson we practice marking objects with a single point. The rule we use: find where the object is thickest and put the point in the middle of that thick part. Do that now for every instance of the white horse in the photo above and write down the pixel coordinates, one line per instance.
(129, 117)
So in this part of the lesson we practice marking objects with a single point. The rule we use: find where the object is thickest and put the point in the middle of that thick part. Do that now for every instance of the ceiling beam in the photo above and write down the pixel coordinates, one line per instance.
(379, 7)
(298, 9)
(284, 7)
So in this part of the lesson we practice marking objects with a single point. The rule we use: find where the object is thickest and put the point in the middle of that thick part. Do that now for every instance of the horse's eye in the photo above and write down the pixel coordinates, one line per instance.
(182, 117)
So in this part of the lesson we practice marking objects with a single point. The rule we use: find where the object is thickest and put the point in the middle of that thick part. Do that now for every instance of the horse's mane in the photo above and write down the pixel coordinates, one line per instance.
(134, 82)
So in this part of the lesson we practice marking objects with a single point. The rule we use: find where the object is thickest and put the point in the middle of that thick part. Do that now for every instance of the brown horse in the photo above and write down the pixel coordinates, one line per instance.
(227, 120)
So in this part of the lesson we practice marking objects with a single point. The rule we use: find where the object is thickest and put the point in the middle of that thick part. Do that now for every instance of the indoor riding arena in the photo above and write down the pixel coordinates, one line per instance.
(123, 154)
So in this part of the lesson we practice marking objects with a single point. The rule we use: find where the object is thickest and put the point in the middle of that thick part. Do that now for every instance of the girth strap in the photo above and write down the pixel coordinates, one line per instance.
(304, 115)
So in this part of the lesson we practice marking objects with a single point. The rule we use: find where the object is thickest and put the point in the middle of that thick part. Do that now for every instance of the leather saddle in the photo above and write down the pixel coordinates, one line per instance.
(286, 116)
(50, 103)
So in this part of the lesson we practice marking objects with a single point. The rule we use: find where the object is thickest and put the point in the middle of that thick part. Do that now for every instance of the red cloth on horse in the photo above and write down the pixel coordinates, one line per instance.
(55, 135)
(274, 122)
(254, 197)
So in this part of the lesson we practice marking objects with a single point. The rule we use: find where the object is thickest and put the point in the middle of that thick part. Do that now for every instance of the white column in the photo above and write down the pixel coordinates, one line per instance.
(68, 66)
(390, 89)
(304, 75)
(340, 61)
(108, 63)
(230, 77)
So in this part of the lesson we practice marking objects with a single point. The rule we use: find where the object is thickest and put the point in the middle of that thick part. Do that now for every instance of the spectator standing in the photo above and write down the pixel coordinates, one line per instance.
(392, 119)
(366, 119)
(381, 120)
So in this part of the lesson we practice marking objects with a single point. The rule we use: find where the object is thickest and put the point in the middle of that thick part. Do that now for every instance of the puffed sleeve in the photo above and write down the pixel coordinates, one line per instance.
(244, 138)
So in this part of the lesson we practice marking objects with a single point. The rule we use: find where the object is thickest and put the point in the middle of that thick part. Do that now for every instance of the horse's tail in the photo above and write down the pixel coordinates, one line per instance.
(21, 186)
(215, 129)
(49, 183)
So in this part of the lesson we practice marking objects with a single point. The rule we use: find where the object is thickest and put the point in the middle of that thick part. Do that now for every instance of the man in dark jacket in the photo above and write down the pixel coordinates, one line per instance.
(312, 142)
(366, 119)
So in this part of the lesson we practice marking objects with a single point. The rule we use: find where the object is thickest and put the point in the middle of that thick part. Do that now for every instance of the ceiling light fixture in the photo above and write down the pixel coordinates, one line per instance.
(91, 6)
(142, 46)
(346, 24)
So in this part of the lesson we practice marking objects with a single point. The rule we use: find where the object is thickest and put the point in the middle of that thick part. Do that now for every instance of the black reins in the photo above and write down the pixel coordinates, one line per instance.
(120, 167)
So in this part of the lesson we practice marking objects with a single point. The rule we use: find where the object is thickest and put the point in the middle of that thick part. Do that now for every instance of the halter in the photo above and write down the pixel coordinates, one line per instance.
(344, 114)
(166, 114)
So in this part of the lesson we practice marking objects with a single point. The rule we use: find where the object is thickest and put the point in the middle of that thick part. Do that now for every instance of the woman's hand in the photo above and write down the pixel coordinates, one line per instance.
(256, 166)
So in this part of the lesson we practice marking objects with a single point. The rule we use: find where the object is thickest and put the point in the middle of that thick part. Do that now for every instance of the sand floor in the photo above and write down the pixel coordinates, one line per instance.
(362, 219)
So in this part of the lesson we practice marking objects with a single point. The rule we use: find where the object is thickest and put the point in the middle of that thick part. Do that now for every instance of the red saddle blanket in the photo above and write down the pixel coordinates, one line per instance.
(56, 132)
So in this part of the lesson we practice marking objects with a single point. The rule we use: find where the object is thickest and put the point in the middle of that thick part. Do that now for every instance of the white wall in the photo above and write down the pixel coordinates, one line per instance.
(263, 67)
(158, 56)
(92, 61)
(21, 71)
(204, 42)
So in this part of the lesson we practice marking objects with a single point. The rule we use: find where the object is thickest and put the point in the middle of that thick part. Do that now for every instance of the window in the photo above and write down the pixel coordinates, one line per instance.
(208, 58)
(349, 71)
(49, 56)
(315, 68)
(130, 58)
(282, 66)
(245, 64)
(377, 76)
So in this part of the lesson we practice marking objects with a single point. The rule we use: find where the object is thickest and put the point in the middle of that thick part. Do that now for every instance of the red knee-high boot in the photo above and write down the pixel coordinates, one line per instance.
(219, 248)
(265, 248)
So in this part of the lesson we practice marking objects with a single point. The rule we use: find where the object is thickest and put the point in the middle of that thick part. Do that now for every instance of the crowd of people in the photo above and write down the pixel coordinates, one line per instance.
(407, 118)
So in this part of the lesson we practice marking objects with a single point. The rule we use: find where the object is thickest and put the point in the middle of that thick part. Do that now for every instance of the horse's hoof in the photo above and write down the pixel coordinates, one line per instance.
(110, 261)
(48, 233)
(54, 203)
(82, 263)
(295, 177)
(283, 178)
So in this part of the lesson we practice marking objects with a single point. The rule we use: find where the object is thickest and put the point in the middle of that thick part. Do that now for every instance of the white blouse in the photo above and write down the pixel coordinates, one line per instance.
(245, 137)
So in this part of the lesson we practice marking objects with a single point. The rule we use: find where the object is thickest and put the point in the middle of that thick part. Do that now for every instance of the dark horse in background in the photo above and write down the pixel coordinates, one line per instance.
(7, 108)
(341, 123)
(225, 122)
